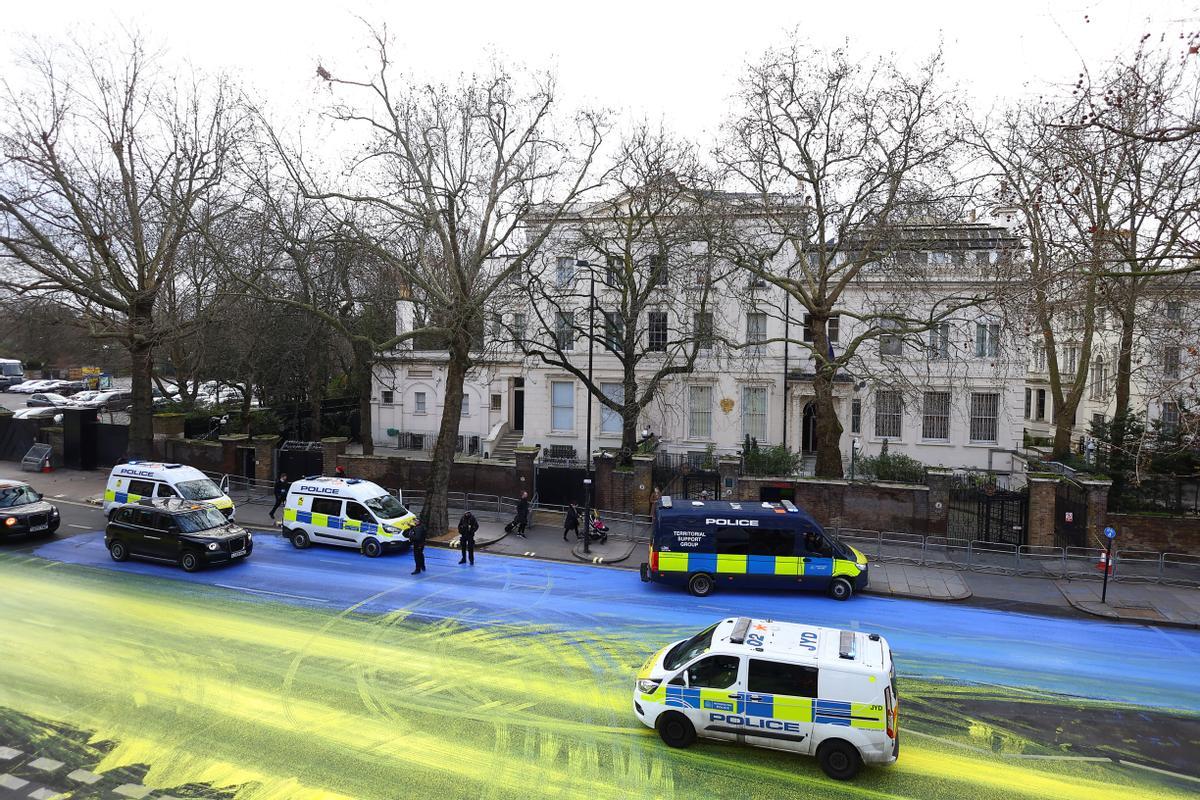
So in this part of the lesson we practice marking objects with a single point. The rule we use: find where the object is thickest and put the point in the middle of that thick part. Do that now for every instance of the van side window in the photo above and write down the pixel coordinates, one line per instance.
(141, 488)
(772, 543)
(165, 490)
(771, 677)
(816, 545)
(124, 515)
(143, 517)
(714, 672)
(733, 541)
(356, 511)
(327, 506)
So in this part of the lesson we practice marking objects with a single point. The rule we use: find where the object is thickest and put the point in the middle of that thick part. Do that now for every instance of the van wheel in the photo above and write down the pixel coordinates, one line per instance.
(701, 584)
(189, 561)
(676, 729)
(840, 589)
(118, 552)
(300, 540)
(839, 759)
(371, 548)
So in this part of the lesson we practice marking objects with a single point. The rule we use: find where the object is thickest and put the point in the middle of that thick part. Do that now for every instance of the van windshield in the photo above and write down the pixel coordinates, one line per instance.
(386, 507)
(688, 649)
(201, 489)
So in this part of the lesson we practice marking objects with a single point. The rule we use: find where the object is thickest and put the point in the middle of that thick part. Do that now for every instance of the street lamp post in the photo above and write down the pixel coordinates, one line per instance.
(587, 483)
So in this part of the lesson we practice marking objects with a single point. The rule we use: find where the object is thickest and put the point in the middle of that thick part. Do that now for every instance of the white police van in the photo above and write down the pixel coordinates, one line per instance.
(348, 512)
(143, 480)
(810, 690)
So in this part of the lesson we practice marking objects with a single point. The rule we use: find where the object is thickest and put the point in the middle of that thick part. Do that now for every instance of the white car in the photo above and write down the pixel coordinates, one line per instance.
(29, 387)
(40, 399)
(43, 412)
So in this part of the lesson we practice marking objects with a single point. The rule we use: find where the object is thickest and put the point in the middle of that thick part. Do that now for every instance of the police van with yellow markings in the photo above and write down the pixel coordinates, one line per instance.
(134, 481)
(782, 685)
(705, 544)
(347, 512)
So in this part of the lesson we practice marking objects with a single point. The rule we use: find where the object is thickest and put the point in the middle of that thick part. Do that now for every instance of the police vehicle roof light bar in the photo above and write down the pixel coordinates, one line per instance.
(847, 645)
(740, 629)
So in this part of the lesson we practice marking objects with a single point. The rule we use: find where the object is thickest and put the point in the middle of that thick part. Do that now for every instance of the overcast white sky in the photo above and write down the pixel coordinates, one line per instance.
(677, 61)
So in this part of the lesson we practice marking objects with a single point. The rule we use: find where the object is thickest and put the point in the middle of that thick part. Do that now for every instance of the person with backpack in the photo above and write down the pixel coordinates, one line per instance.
(467, 525)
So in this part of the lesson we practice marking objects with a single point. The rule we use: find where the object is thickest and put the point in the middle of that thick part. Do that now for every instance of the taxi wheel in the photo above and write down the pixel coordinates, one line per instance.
(839, 759)
(118, 551)
(701, 584)
(676, 729)
(840, 589)
(189, 561)
(299, 540)
(371, 548)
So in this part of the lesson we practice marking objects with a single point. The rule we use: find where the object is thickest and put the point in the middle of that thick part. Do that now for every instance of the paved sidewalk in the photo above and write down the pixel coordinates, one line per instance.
(1138, 602)
(907, 580)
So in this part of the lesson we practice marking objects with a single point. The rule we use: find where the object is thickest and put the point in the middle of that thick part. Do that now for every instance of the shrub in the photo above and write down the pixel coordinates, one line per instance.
(777, 460)
(895, 467)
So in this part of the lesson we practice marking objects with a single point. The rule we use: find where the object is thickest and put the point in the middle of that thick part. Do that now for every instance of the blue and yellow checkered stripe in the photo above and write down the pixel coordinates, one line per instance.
(121, 497)
(722, 564)
(327, 521)
(780, 707)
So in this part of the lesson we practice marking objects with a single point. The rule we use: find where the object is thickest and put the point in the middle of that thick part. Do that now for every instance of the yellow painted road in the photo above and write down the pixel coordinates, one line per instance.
(264, 699)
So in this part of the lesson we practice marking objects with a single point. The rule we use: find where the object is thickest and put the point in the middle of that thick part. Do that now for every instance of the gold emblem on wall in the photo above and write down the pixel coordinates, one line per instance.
(727, 404)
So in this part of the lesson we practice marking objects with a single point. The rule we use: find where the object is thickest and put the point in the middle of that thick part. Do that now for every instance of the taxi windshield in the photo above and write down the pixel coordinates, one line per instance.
(386, 507)
(202, 489)
(202, 519)
(17, 496)
(688, 649)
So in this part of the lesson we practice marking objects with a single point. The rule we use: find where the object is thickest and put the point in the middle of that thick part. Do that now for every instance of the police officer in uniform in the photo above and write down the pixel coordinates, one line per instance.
(467, 526)
(416, 536)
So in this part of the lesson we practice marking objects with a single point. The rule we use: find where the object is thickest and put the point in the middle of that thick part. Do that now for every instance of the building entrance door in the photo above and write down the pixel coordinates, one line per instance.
(808, 429)
(518, 414)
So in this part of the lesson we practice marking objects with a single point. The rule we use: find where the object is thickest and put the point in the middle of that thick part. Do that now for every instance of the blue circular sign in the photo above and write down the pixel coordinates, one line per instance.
(1111, 533)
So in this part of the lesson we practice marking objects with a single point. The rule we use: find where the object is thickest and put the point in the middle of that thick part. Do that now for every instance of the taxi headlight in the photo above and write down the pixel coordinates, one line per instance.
(213, 546)
(648, 685)
(10, 521)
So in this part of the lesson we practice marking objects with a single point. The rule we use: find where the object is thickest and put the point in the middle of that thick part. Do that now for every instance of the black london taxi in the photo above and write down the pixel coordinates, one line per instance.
(175, 531)
(23, 511)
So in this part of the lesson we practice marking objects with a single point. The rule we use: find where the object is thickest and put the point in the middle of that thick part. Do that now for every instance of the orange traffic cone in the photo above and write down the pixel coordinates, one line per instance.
(1104, 566)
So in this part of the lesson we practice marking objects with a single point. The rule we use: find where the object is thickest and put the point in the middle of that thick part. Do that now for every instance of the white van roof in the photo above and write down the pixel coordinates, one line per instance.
(347, 488)
(157, 469)
(793, 641)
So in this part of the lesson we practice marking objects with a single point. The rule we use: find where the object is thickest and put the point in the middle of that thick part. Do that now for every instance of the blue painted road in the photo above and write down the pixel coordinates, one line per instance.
(1137, 664)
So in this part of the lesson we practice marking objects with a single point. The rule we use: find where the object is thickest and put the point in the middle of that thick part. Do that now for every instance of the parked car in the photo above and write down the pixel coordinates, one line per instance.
(47, 399)
(79, 398)
(43, 412)
(71, 388)
(112, 400)
(23, 511)
(30, 386)
(174, 531)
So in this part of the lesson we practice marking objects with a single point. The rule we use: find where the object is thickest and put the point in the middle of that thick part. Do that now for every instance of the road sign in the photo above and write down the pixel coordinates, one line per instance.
(1111, 533)
(1070, 516)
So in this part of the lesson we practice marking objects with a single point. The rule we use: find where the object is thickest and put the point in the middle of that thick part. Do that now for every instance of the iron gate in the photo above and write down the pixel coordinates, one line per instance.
(300, 459)
(983, 512)
(692, 476)
(1070, 514)
(560, 484)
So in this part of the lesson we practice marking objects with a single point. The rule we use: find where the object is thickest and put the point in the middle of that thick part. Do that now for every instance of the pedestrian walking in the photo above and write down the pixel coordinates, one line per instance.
(654, 500)
(416, 536)
(467, 525)
(282, 484)
(522, 518)
(571, 522)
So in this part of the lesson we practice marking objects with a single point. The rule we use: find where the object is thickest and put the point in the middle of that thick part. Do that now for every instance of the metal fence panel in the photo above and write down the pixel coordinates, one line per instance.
(1042, 562)
(895, 546)
(993, 557)
(1138, 565)
(1083, 562)
(1181, 569)
(863, 540)
(951, 552)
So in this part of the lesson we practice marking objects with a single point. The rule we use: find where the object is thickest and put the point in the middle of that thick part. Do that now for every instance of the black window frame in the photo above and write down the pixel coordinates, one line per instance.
(657, 332)
(141, 482)
(731, 540)
(737, 660)
(351, 503)
(772, 541)
(802, 677)
(315, 500)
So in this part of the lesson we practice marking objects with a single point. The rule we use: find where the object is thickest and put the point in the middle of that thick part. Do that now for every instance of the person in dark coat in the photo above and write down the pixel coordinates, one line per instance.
(281, 490)
(416, 536)
(522, 518)
(571, 522)
(467, 526)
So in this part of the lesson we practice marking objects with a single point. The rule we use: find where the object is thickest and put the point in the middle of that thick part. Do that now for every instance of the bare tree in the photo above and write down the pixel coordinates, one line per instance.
(439, 194)
(838, 157)
(105, 170)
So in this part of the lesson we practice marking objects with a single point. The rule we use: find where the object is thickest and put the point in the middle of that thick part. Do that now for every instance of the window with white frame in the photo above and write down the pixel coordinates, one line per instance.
(754, 412)
(939, 341)
(614, 331)
(702, 330)
(987, 339)
(565, 271)
(562, 405)
(657, 331)
(1174, 311)
(1171, 362)
(985, 416)
(890, 344)
(610, 421)
(756, 328)
(889, 410)
(1041, 405)
(389, 397)
(1039, 358)
(466, 405)
(935, 421)
(659, 273)
(856, 415)
(1028, 403)
(1170, 418)
(419, 403)
(1099, 379)
(496, 401)
(518, 324)
(699, 412)
(1072, 359)
(564, 330)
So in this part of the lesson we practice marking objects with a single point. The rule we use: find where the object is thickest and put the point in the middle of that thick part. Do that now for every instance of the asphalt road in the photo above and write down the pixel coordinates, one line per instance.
(323, 673)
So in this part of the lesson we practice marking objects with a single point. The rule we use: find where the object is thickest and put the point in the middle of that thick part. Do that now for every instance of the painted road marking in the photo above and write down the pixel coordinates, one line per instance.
(11, 782)
(81, 527)
(59, 495)
(274, 594)
(46, 764)
(132, 790)
(83, 776)
(74, 503)
(8, 754)
(44, 794)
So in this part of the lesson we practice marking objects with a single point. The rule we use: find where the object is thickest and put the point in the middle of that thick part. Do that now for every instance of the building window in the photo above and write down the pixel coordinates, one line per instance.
(831, 328)
(614, 331)
(657, 331)
(889, 406)
(565, 272)
(754, 412)
(935, 422)
(614, 271)
(856, 416)
(564, 330)
(658, 269)
(419, 403)
(1174, 312)
(610, 421)
(1041, 405)
(1170, 418)
(496, 401)
(699, 412)
(1171, 362)
(466, 405)
(1072, 359)
(939, 341)
(987, 339)
(389, 397)
(1099, 379)
(890, 344)
(1039, 358)
(518, 327)
(985, 417)
(756, 328)
(1097, 421)
(702, 329)
(1101, 318)
(562, 405)
(1028, 402)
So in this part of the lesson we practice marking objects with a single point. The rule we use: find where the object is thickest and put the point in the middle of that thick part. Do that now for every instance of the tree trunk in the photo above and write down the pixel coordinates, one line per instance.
(434, 512)
(829, 427)
(1125, 362)
(141, 354)
(246, 407)
(363, 373)
(1064, 421)
(629, 413)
